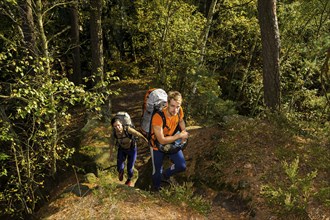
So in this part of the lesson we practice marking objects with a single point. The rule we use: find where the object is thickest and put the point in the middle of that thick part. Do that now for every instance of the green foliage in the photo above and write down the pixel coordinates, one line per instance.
(164, 39)
(305, 41)
(233, 54)
(208, 102)
(108, 187)
(3, 159)
(324, 195)
(38, 108)
(179, 194)
(295, 122)
(293, 194)
(170, 31)
(14, 2)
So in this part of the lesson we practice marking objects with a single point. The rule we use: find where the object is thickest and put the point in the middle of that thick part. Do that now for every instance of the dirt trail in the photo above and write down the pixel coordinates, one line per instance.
(247, 154)
(131, 100)
(67, 204)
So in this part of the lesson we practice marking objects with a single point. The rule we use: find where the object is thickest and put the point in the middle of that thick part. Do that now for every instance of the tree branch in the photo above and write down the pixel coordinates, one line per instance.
(14, 97)
(57, 5)
(59, 33)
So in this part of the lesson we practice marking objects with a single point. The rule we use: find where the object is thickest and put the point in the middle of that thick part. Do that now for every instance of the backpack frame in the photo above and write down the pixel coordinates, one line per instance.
(146, 120)
(154, 100)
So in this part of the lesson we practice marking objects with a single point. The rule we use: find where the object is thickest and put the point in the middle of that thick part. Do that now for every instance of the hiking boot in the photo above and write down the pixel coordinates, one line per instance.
(165, 179)
(121, 175)
(155, 191)
(128, 182)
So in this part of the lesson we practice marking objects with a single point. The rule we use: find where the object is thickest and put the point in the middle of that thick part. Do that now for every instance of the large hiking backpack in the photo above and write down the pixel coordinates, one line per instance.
(154, 100)
(125, 118)
(126, 121)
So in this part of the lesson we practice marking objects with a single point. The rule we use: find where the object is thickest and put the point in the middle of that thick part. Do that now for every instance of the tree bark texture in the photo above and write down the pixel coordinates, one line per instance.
(270, 52)
(96, 39)
(45, 54)
(77, 77)
(28, 26)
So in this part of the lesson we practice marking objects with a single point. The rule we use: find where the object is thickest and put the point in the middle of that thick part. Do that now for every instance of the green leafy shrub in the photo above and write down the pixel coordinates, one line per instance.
(324, 195)
(179, 194)
(36, 119)
(294, 194)
(207, 101)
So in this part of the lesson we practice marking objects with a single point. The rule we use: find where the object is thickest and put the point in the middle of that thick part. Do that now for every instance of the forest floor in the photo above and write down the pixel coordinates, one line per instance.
(232, 189)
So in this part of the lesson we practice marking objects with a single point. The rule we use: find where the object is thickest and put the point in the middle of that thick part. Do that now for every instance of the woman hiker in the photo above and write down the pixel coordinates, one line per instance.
(125, 139)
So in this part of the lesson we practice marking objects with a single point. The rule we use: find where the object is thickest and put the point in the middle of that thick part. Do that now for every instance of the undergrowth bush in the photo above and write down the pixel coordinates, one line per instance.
(324, 196)
(37, 117)
(292, 194)
(107, 188)
(179, 194)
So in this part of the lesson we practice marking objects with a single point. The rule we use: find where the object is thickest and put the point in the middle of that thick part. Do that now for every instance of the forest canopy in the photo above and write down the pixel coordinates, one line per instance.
(59, 56)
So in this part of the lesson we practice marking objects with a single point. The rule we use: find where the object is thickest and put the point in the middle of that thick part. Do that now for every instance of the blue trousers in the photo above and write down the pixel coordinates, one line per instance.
(179, 165)
(130, 155)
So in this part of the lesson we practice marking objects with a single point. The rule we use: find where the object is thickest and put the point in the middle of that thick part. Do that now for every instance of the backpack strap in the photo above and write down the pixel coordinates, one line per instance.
(173, 147)
(178, 128)
(162, 115)
(127, 134)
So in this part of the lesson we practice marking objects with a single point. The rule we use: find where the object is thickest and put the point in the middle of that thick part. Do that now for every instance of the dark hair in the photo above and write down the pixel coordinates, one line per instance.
(114, 120)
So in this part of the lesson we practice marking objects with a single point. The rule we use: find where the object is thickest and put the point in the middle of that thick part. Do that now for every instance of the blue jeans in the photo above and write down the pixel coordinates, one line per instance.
(179, 165)
(130, 155)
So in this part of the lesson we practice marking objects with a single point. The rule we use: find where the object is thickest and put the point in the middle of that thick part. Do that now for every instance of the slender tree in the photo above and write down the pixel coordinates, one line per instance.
(205, 33)
(76, 78)
(325, 76)
(203, 38)
(28, 26)
(270, 52)
(96, 39)
(45, 54)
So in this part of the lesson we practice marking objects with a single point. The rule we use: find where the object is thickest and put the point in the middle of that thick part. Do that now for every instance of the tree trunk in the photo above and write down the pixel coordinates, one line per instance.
(204, 38)
(28, 26)
(325, 77)
(77, 77)
(96, 39)
(45, 54)
(270, 52)
(161, 59)
(207, 28)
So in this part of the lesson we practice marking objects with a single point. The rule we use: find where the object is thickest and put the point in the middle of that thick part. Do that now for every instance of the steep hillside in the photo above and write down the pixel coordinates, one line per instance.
(227, 166)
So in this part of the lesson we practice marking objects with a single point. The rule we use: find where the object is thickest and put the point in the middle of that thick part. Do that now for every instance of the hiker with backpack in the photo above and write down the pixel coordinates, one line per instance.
(125, 139)
(167, 137)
